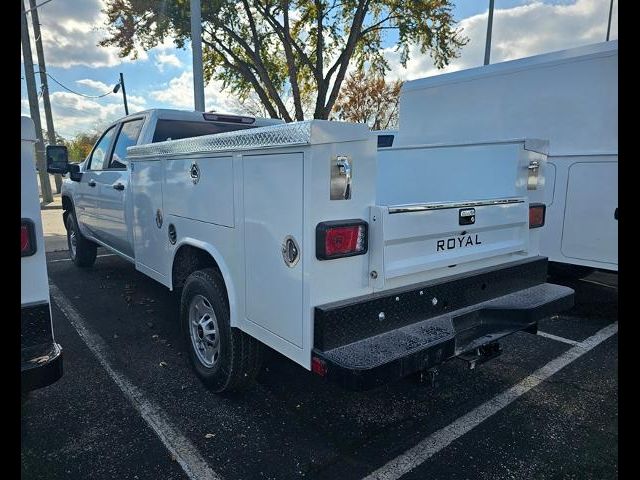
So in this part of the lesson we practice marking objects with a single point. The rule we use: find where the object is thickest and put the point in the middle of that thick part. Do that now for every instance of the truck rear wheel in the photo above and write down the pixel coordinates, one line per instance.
(225, 358)
(82, 251)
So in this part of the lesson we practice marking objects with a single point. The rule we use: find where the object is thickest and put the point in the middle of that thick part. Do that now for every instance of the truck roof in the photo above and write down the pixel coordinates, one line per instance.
(192, 115)
(503, 68)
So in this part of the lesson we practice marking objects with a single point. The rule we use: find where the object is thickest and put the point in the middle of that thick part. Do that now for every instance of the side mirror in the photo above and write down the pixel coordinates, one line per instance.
(74, 172)
(57, 159)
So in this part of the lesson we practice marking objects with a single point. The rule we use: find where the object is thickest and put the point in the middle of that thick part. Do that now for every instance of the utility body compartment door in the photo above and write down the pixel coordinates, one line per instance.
(150, 222)
(590, 227)
(273, 212)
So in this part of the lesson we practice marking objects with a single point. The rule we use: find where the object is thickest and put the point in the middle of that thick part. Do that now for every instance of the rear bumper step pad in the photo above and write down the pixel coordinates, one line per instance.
(385, 357)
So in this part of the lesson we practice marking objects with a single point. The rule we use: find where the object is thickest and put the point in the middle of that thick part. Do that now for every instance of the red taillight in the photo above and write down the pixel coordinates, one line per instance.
(27, 238)
(536, 214)
(342, 238)
(318, 366)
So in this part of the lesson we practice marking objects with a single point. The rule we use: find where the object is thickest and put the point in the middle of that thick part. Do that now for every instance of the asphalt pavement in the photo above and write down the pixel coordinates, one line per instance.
(128, 405)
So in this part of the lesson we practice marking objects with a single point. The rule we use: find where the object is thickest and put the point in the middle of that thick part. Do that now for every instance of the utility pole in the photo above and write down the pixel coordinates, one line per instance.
(45, 186)
(609, 24)
(487, 47)
(51, 134)
(196, 50)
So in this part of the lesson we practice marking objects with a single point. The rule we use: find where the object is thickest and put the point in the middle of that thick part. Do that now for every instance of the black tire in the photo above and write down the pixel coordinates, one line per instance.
(84, 254)
(240, 355)
(568, 271)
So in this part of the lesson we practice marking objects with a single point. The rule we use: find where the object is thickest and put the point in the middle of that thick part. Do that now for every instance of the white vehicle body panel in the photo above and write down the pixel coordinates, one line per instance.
(275, 306)
(277, 185)
(41, 357)
(105, 214)
(34, 283)
(568, 97)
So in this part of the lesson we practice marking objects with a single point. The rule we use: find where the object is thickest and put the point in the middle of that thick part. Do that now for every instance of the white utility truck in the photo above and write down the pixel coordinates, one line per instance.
(297, 236)
(568, 97)
(41, 356)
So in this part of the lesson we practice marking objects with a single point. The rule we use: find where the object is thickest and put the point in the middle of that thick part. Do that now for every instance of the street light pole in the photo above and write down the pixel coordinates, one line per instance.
(51, 134)
(487, 47)
(124, 93)
(196, 49)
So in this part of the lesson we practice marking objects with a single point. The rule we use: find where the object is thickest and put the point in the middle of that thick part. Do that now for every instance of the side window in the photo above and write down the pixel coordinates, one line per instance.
(127, 137)
(98, 160)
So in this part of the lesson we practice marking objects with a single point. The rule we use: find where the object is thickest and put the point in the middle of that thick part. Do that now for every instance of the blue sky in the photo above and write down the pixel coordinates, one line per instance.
(162, 76)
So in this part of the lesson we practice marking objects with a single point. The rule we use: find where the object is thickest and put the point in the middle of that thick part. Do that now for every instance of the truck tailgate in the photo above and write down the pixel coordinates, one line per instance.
(447, 209)
(409, 239)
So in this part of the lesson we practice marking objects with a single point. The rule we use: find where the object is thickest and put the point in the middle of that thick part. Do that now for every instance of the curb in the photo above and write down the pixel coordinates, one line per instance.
(50, 207)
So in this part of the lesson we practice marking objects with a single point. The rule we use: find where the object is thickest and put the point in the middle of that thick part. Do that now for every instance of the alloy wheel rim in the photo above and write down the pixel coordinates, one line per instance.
(203, 329)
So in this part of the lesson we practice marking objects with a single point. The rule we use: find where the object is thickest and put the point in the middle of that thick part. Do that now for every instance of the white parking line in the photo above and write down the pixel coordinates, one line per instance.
(445, 436)
(558, 339)
(181, 448)
(68, 259)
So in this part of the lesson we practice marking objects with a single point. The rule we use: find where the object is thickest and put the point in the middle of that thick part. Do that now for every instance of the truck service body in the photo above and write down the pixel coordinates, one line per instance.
(41, 356)
(569, 98)
(298, 236)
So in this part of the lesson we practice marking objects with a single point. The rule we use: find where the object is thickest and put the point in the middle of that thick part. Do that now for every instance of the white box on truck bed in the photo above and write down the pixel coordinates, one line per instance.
(569, 98)
(296, 236)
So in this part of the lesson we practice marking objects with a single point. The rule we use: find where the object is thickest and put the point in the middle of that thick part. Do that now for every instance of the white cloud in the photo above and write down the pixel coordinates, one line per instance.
(71, 31)
(99, 87)
(178, 93)
(518, 32)
(74, 114)
(167, 60)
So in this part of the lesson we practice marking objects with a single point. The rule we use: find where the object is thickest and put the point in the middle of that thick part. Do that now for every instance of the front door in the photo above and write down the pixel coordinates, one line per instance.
(114, 190)
(88, 192)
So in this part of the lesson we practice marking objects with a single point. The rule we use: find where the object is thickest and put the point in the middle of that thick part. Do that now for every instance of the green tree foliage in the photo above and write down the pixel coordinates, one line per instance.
(368, 98)
(80, 146)
(292, 54)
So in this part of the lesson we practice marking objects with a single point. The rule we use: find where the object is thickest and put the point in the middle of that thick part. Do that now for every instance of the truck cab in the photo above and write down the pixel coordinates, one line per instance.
(97, 199)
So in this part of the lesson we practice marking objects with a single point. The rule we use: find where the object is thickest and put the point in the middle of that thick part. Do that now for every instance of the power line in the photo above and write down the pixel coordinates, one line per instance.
(73, 91)
(37, 6)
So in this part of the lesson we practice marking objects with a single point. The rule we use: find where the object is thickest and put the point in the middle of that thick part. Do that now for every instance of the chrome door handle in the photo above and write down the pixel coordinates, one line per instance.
(92, 183)
(118, 186)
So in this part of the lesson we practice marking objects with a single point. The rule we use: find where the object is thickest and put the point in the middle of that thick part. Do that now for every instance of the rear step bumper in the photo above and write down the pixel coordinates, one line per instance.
(441, 334)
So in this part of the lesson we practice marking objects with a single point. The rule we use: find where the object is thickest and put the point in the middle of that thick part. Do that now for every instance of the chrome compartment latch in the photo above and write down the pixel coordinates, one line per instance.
(532, 179)
(340, 178)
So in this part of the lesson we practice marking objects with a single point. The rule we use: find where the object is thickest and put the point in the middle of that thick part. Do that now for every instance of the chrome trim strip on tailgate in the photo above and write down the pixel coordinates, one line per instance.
(420, 207)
